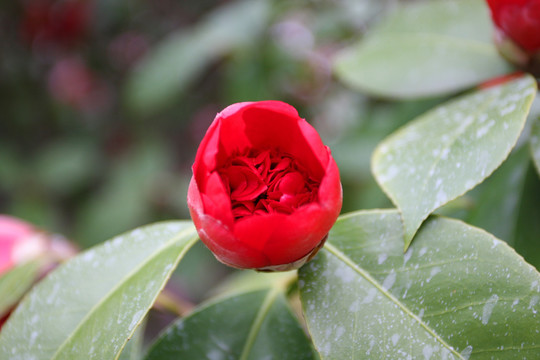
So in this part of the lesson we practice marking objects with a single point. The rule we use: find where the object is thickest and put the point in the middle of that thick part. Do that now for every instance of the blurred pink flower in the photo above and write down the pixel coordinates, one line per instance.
(72, 83)
(19, 242)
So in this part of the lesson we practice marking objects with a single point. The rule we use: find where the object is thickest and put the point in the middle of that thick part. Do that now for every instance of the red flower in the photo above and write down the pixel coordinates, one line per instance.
(265, 190)
(519, 20)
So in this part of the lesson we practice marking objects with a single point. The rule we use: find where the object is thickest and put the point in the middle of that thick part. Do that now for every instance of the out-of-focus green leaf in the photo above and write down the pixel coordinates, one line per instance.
(458, 292)
(180, 58)
(451, 149)
(89, 307)
(372, 123)
(11, 168)
(15, 282)
(124, 201)
(461, 19)
(256, 324)
(535, 144)
(527, 237)
(424, 50)
(497, 200)
(507, 204)
(64, 166)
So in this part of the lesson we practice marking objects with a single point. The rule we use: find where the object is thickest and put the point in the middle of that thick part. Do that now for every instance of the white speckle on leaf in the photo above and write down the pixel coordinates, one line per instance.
(390, 173)
(395, 339)
(370, 296)
(482, 118)
(135, 319)
(433, 272)
(466, 353)
(444, 154)
(33, 337)
(441, 197)
(389, 281)
(488, 308)
(427, 351)
(407, 255)
(382, 258)
(215, 355)
(533, 302)
(484, 129)
(507, 110)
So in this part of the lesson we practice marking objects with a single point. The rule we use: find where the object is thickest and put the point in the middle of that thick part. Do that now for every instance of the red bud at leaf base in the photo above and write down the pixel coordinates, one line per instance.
(518, 31)
(265, 190)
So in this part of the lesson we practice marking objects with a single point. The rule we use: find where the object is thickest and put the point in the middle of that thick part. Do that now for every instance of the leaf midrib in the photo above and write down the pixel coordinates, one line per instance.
(131, 274)
(341, 256)
(269, 299)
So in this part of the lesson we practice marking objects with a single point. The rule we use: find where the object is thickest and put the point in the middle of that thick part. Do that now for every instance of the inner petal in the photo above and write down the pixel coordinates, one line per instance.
(265, 182)
(244, 183)
(292, 183)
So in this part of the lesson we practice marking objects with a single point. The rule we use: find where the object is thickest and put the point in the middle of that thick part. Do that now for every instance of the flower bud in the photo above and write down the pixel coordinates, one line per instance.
(265, 190)
(517, 33)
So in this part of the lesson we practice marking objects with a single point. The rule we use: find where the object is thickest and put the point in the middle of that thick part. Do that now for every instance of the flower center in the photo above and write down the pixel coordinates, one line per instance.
(268, 181)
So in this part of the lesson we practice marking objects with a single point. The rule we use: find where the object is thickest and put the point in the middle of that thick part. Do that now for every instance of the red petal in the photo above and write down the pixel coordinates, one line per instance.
(291, 183)
(216, 200)
(271, 124)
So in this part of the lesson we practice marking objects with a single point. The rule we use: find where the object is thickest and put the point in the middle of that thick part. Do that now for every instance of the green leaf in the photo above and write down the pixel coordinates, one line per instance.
(450, 149)
(424, 50)
(133, 349)
(498, 199)
(183, 56)
(65, 166)
(247, 325)
(90, 306)
(457, 292)
(535, 144)
(15, 283)
(125, 199)
(527, 238)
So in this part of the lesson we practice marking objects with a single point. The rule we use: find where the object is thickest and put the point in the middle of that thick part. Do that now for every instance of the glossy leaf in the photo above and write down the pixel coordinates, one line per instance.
(248, 325)
(180, 58)
(535, 144)
(449, 150)
(424, 50)
(458, 292)
(14, 283)
(90, 306)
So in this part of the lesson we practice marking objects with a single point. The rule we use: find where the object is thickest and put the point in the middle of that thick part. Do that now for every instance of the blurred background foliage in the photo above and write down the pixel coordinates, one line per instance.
(103, 104)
